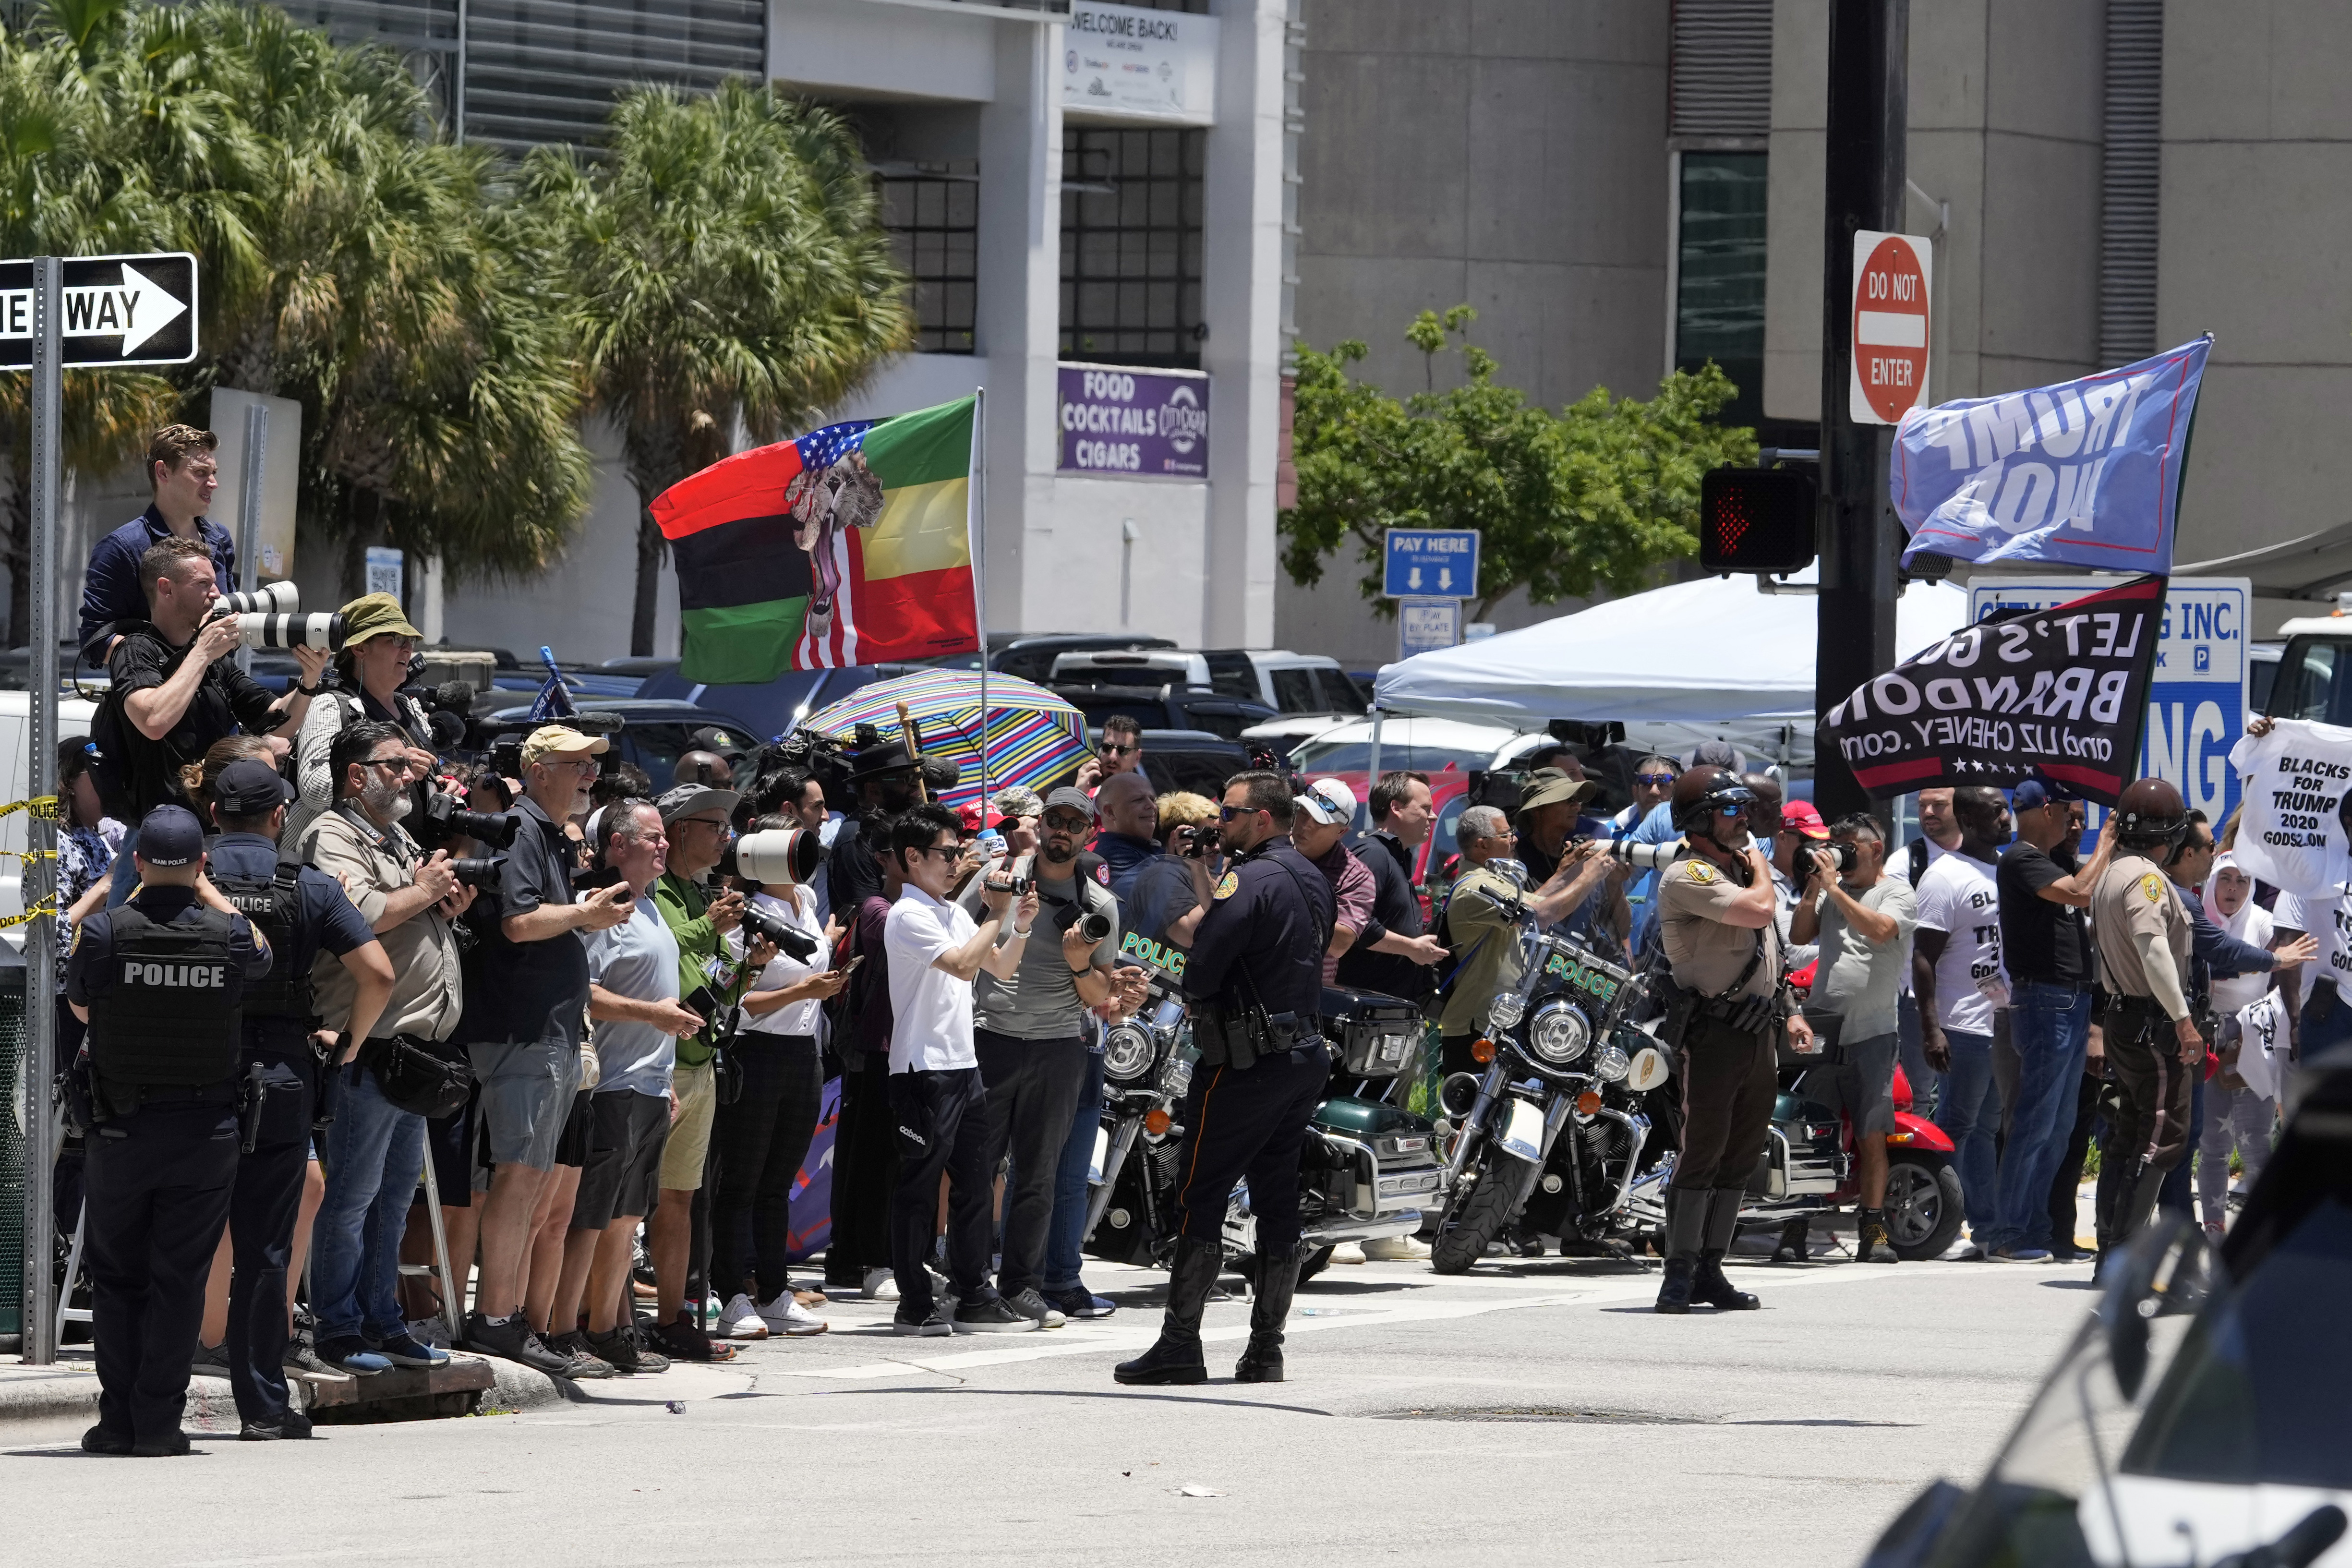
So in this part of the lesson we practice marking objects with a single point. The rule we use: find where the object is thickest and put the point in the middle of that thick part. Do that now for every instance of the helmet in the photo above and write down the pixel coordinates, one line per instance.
(1706, 793)
(2149, 813)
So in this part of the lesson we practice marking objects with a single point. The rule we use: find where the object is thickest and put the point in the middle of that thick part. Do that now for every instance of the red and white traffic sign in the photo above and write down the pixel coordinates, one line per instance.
(1892, 279)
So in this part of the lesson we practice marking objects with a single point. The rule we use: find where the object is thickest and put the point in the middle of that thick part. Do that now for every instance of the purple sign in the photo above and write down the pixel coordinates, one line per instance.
(1118, 421)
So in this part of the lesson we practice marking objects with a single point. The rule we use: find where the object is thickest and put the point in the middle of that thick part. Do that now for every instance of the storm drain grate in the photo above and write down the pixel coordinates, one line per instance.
(1540, 1413)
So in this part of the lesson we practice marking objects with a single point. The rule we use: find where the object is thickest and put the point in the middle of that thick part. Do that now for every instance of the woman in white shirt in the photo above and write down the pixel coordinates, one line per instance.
(763, 1136)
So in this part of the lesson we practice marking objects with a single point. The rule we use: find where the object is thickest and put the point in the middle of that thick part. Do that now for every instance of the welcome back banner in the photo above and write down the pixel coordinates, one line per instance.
(2087, 472)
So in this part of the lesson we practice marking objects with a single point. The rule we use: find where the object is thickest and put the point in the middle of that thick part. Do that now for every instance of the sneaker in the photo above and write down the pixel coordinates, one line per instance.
(991, 1318)
(1033, 1306)
(939, 1322)
(406, 1351)
(1348, 1252)
(1078, 1302)
(1396, 1249)
(170, 1445)
(807, 1297)
(880, 1285)
(1963, 1252)
(512, 1339)
(434, 1331)
(740, 1320)
(2016, 1255)
(350, 1354)
(787, 1315)
(293, 1424)
(681, 1339)
(301, 1356)
(99, 1440)
(581, 1362)
(621, 1349)
(210, 1360)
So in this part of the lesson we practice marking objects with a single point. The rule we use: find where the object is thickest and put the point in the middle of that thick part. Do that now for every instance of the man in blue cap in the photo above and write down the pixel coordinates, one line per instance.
(299, 912)
(159, 979)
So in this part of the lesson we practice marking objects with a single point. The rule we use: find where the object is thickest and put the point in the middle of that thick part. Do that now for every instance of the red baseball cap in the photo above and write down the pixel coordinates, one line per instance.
(1802, 816)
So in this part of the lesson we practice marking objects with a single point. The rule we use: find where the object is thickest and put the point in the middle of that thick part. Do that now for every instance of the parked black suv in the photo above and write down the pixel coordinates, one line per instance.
(1166, 707)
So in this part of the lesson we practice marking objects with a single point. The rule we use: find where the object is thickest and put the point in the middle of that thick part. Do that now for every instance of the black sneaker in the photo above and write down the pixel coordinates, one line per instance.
(99, 1440)
(352, 1355)
(991, 1316)
(937, 1322)
(581, 1362)
(302, 1348)
(626, 1355)
(1078, 1302)
(511, 1340)
(1030, 1304)
(293, 1424)
(210, 1360)
(170, 1445)
(405, 1350)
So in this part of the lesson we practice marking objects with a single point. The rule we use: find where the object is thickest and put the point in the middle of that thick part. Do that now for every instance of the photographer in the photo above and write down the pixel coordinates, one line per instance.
(523, 1033)
(175, 691)
(1171, 892)
(375, 1148)
(370, 669)
(1862, 918)
(1591, 899)
(882, 779)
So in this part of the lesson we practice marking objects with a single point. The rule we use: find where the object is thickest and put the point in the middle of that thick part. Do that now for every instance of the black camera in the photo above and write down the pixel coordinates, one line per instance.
(476, 871)
(1200, 843)
(1846, 855)
(445, 817)
(797, 945)
(1094, 925)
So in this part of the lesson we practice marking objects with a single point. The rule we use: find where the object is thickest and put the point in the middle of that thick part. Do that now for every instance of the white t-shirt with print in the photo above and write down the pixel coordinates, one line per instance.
(930, 1009)
(1958, 897)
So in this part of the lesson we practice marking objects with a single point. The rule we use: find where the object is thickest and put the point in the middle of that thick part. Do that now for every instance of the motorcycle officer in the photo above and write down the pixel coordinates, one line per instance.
(158, 980)
(1716, 908)
(1255, 984)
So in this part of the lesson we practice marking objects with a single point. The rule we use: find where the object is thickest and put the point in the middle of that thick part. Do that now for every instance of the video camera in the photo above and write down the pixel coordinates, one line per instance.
(268, 617)
(803, 754)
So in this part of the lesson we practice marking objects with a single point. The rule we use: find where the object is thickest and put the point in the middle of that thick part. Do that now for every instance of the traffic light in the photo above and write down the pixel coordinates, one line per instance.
(1755, 520)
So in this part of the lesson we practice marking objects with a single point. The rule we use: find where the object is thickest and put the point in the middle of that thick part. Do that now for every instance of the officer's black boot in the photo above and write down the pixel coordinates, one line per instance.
(1707, 1283)
(1872, 1241)
(1175, 1356)
(1270, 1288)
(1685, 1223)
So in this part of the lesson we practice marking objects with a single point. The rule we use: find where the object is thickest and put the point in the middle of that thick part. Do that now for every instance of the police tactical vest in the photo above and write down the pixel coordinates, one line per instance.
(170, 1014)
(275, 907)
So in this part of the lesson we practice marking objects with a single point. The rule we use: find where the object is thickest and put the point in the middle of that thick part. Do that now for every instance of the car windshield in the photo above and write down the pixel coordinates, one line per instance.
(1356, 757)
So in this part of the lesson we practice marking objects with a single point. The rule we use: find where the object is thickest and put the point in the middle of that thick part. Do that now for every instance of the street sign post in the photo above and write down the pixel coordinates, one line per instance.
(2196, 701)
(81, 312)
(1426, 624)
(1432, 564)
(115, 310)
(1893, 274)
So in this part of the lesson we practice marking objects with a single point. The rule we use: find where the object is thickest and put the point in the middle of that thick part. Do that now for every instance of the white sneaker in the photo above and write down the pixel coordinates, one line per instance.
(740, 1320)
(1394, 1250)
(1963, 1251)
(785, 1316)
(1348, 1252)
(880, 1285)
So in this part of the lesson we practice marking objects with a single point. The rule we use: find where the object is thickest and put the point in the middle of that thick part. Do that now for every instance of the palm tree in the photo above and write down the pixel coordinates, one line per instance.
(724, 260)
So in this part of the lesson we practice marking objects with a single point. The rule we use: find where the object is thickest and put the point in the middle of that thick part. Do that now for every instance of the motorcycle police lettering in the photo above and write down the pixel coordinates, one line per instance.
(1255, 984)
(161, 1060)
(1715, 905)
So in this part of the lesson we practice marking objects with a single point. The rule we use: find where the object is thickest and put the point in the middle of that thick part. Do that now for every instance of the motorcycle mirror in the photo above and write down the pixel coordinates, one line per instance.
(2158, 1268)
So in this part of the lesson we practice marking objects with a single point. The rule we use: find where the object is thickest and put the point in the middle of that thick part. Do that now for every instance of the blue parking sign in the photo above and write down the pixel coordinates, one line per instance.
(1432, 564)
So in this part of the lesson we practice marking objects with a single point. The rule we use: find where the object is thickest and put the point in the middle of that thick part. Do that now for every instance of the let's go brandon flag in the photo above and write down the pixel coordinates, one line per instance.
(851, 545)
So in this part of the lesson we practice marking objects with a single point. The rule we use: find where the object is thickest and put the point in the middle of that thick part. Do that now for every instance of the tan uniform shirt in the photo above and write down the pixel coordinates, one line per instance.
(2135, 896)
(1706, 954)
(427, 994)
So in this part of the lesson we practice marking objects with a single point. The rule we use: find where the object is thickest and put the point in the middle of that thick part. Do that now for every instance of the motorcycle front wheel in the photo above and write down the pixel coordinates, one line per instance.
(1923, 1206)
(1475, 1226)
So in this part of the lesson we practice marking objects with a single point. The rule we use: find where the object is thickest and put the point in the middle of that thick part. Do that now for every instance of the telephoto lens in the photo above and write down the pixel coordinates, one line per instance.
(281, 631)
(476, 871)
(1647, 856)
(785, 855)
(450, 820)
(1845, 855)
(797, 945)
(269, 599)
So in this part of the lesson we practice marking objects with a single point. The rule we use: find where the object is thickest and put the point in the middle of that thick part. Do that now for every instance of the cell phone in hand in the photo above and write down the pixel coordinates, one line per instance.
(854, 960)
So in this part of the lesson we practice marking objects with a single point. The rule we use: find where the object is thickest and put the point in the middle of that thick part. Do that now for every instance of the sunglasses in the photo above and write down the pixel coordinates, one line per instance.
(589, 766)
(397, 764)
(1068, 823)
(1110, 749)
(1227, 812)
(945, 851)
(1656, 781)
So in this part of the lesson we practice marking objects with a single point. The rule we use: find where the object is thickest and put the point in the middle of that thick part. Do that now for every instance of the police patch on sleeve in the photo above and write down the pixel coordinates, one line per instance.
(1699, 872)
(1228, 884)
(2153, 886)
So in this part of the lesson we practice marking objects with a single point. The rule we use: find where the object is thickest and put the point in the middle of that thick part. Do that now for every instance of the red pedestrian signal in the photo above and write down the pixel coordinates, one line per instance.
(1755, 520)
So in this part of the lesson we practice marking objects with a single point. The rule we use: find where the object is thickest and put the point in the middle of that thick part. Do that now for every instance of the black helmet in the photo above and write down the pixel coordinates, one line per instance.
(1705, 793)
(2150, 813)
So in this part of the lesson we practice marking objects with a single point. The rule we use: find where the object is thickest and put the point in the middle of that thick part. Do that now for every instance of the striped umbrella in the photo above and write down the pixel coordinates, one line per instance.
(1034, 737)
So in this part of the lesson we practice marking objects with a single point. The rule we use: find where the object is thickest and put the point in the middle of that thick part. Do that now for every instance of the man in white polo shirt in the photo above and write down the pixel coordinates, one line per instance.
(936, 1099)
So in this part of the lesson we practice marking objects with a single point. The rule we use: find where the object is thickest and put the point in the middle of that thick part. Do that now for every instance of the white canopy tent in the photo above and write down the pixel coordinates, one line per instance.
(1704, 653)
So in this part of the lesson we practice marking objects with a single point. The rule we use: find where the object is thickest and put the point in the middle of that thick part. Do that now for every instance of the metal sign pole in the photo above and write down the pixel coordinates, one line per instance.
(40, 1319)
(248, 498)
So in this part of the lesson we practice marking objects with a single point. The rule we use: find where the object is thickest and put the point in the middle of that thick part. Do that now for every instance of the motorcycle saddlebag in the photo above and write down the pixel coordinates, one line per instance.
(1375, 1033)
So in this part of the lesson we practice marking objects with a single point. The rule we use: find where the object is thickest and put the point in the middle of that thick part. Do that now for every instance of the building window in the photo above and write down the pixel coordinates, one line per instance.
(932, 214)
(1131, 204)
(1719, 289)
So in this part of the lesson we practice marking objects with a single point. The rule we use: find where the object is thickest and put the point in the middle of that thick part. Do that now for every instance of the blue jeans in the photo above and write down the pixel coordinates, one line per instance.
(1969, 1110)
(2179, 1189)
(2052, 1026)
(124, 875)
(373, 1155)
(1066, 1230)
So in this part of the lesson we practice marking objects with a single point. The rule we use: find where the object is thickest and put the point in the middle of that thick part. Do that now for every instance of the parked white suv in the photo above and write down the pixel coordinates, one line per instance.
(1292, 684)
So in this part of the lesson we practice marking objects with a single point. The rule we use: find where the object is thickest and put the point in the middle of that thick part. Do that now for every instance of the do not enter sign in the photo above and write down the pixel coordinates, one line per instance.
(1892, 273)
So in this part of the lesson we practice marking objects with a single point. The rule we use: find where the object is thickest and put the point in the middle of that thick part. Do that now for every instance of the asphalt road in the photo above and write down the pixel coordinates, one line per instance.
(1528, 1412)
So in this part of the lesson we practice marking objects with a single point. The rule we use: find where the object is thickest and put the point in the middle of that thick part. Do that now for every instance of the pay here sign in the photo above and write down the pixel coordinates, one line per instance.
(2197, 699)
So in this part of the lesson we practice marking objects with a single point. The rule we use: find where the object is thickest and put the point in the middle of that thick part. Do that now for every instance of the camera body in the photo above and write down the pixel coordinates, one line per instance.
(1200, 843)
(1846, 855)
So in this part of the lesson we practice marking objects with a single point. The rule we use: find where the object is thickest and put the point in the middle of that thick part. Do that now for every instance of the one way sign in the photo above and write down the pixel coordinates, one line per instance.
(119, 310)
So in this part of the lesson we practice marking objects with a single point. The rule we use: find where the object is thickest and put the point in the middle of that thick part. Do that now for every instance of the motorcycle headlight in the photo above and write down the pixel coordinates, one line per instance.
(1559, 1032)
(1128, 1051)
(1506, 1011)
(1612, 1064)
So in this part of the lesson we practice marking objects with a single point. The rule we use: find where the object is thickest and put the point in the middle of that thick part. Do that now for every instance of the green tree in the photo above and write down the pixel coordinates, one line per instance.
(1593, 497)
(724, 260)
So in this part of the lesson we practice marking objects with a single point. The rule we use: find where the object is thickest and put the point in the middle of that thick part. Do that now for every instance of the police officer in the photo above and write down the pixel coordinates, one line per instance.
(1715, 909)
(299, 912)
(158, 980)
(1256, 982)
(2153, 1047)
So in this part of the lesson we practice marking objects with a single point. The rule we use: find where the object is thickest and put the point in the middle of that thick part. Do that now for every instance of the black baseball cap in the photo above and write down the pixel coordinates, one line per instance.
(250, 788)
(171, 836)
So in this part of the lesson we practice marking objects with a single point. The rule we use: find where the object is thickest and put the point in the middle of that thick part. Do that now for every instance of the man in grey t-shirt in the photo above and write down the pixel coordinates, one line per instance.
(1863, 919)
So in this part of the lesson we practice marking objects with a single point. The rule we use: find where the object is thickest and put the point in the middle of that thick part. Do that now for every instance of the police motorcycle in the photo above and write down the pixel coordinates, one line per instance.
(1367, 1169)
(1554, 1131)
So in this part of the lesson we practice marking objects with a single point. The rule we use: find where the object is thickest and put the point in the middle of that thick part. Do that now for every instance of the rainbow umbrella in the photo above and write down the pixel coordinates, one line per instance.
(1034, 737)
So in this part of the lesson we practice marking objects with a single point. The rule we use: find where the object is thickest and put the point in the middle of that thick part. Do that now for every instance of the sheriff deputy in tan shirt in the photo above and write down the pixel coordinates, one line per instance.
(2152, 1048)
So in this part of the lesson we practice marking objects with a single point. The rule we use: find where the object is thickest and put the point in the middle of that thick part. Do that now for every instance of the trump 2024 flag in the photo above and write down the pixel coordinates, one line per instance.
(2086, 473)
(850, 545)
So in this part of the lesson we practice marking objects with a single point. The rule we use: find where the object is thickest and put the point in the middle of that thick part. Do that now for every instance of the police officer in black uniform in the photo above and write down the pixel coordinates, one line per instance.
(158, 981)
(299, 912)
(1255, 980)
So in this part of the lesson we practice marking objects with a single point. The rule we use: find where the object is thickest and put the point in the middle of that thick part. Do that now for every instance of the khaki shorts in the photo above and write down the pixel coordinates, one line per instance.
(689, 1135)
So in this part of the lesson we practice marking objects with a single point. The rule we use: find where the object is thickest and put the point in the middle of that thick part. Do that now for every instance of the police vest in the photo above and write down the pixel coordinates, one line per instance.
(170, 1018)
(275, 907)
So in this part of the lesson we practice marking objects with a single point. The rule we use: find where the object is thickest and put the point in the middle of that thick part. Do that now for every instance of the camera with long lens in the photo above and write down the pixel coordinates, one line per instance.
(1647, 857)
(269, 599)
(445, 817)
(797, 945)
(476, 871)
(785, 856)
(269, 617)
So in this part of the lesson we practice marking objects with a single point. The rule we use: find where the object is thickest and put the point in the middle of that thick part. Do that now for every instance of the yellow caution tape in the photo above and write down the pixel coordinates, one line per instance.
(44, 806)
(46, 907)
